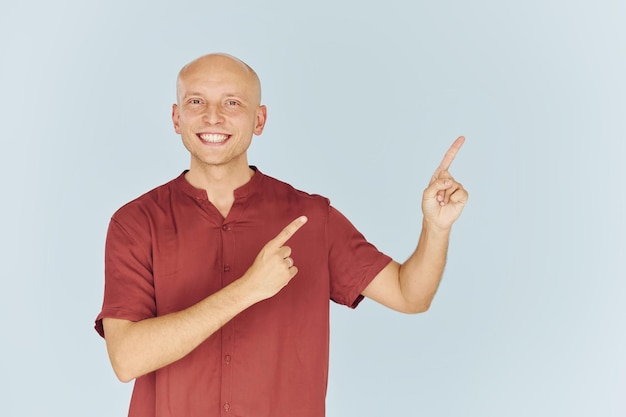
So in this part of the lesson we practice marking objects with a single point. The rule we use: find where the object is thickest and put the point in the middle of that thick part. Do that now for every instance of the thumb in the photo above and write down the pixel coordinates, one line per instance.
(436, 186)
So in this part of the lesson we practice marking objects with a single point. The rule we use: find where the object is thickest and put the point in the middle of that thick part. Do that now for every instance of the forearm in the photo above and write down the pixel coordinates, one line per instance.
(137, 348)
(420, 274)
(411, 287)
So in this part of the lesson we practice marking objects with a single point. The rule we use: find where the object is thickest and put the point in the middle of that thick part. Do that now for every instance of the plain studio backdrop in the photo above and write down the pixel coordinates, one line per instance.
(364, 99)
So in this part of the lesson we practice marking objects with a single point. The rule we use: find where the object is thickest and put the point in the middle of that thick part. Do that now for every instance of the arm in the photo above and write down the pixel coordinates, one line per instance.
(137, 348)
(411, 287)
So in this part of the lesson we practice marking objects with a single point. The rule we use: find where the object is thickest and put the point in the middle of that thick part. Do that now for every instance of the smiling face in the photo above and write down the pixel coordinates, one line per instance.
(218, 110)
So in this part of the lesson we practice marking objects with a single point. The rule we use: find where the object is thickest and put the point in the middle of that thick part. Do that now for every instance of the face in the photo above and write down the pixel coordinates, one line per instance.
(217, 112)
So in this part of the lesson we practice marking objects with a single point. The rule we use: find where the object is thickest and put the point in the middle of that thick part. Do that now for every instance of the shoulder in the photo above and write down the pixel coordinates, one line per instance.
(147, 204)
(285, 197)
(286, 202)
(276, 186)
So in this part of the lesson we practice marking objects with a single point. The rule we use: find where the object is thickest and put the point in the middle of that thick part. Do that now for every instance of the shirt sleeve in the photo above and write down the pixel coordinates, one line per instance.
(129, 285)
(353, 261)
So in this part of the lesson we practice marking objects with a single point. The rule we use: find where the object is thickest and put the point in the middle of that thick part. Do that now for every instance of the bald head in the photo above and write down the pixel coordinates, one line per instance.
(212, 67)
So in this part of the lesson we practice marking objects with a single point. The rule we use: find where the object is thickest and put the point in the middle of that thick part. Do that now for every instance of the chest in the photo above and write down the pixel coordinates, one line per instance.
(194, 259)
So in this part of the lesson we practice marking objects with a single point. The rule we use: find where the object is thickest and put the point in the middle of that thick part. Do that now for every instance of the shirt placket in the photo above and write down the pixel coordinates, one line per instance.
(228, 330)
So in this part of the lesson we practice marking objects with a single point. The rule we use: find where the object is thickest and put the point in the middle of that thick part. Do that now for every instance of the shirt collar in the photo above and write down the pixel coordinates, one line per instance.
(242, 192)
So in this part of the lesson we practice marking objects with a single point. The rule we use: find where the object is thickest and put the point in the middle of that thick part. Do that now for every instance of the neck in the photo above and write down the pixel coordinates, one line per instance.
(219, 182)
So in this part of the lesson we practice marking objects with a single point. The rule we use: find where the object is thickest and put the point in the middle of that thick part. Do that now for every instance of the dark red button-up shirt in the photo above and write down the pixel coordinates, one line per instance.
(170, 248)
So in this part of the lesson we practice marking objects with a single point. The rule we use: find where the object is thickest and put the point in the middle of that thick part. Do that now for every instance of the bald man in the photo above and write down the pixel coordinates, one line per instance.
(218, 283)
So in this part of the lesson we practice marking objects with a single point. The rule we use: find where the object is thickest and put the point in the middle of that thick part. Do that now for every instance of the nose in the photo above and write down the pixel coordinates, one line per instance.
(212, 115)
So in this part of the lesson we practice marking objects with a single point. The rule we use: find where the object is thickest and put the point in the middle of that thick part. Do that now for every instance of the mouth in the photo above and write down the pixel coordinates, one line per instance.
(213, 138)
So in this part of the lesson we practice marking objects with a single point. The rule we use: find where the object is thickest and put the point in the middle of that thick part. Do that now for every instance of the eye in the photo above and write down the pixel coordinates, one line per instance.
(232, 103)
(194, 101)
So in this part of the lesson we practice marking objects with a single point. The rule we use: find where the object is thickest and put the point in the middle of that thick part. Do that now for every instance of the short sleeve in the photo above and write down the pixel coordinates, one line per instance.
(129, 285)
(353, 261)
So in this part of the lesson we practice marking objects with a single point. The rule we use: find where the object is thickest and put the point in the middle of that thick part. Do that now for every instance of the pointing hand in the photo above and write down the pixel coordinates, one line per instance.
(273, 267)
(444, 199)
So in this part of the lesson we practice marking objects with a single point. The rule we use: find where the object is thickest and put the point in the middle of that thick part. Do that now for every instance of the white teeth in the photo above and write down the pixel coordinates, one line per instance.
(213, 137)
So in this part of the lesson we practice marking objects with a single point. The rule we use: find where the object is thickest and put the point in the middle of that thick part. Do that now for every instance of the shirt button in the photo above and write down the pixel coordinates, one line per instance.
(226, 268)
(227, 359)
(225, 227)
(226, 406)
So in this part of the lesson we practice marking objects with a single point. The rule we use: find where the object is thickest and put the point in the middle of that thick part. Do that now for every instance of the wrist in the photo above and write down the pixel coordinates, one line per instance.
(435, 230)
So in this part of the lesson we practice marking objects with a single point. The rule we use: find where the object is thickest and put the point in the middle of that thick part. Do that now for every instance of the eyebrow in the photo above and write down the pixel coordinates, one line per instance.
(196, 93)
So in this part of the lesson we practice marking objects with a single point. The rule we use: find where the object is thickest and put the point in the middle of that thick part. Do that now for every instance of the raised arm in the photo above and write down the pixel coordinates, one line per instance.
(137, 348)
(410, 287)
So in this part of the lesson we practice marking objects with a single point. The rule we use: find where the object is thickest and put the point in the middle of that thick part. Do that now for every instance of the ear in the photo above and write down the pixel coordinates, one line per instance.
(176, 118)
(261, 117)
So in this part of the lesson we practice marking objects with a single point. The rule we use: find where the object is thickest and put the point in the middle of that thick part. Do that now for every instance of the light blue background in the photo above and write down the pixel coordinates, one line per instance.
(364, 99)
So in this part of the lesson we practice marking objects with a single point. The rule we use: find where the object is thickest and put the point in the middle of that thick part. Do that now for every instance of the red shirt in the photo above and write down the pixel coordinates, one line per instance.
(170, 248)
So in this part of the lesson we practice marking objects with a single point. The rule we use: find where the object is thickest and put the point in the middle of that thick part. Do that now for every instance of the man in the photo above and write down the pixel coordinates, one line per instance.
(206, 305)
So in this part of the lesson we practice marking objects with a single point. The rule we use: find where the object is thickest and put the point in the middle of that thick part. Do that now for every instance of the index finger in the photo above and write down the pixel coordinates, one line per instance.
(289, 231)
(449, 156)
